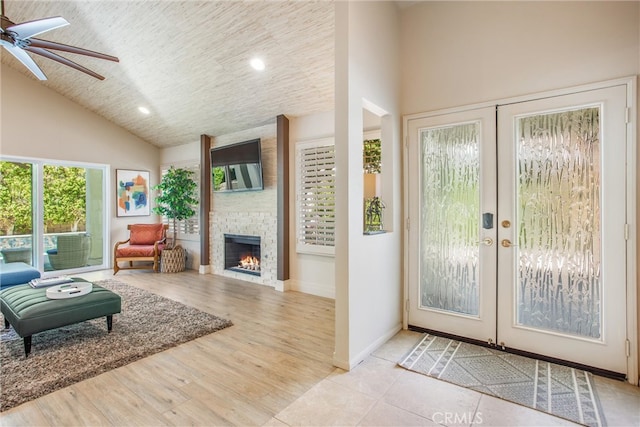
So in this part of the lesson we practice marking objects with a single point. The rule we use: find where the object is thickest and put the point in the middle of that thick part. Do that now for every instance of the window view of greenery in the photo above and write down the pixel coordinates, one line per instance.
(15, 198)
(65, 194)
(64, 214)
(65, 198)
(372, 154)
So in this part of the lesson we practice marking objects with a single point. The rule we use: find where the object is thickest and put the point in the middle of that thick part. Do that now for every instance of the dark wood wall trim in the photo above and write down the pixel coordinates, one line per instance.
(205, 197)
(283, 196)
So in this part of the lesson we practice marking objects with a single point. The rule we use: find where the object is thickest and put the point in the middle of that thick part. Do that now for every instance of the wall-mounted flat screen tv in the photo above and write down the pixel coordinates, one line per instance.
(237, 167)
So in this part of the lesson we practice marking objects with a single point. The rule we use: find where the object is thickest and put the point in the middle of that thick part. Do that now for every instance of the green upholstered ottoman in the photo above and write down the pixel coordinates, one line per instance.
(29, 310)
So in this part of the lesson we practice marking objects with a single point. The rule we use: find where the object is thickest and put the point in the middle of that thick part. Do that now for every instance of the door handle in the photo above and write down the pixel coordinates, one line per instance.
(487, 241)
(506, 243)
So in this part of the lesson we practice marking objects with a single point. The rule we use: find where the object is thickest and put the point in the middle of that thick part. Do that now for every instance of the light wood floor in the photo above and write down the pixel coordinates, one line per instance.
(274, 368)
(280, 345)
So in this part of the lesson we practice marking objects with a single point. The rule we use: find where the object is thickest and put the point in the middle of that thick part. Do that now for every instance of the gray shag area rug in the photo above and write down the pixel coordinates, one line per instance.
(559, 390)
(60, 357)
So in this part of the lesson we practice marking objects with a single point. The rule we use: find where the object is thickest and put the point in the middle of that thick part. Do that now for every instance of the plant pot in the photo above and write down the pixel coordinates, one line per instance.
(173, 260)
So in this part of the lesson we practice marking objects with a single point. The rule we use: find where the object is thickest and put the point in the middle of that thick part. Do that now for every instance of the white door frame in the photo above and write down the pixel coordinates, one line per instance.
(631, 194)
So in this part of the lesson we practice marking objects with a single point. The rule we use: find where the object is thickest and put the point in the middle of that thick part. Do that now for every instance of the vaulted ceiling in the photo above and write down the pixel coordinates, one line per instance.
(188, 62)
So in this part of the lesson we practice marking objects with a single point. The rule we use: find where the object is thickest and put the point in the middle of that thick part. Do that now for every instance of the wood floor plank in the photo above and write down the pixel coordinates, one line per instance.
(281, 345)
(158, 393)
(68, 407)
(117, 403)
(194, 412)
(236, 408)
(28, 414)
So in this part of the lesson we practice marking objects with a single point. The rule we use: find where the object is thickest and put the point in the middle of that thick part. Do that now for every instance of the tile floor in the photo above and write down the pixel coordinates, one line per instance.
(379, 393)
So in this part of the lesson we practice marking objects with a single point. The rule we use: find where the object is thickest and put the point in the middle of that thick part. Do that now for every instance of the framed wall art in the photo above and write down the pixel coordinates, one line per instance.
(132, 193)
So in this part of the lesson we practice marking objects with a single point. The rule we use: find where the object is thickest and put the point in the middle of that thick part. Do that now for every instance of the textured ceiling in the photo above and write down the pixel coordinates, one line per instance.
(188, 62)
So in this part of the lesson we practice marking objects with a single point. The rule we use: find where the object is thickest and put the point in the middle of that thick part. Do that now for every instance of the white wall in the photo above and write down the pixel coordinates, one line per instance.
(368, 268)
(39, 123)
(312, 274)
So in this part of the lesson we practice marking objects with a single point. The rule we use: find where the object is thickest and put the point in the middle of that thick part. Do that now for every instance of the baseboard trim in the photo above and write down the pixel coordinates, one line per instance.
(367, 351)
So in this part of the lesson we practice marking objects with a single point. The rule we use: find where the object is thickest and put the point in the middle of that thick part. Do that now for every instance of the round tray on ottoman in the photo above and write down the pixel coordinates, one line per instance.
(69, 290)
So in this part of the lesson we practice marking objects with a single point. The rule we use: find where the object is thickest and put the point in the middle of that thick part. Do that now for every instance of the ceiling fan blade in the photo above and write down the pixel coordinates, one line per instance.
(23, 57)
(62, 60)
(39, 26)
(44, 44)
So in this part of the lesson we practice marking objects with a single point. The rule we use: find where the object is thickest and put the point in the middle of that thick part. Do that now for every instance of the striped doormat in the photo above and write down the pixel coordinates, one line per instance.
(559, 390)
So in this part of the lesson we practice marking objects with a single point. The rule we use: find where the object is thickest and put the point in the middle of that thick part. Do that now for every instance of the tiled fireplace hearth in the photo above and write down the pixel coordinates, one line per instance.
(242, 229)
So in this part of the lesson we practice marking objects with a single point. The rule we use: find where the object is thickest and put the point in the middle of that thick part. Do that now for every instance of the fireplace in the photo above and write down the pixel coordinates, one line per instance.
(242, 254)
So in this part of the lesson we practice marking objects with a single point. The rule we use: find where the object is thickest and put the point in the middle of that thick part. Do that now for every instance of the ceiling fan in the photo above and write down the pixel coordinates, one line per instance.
(19, 38)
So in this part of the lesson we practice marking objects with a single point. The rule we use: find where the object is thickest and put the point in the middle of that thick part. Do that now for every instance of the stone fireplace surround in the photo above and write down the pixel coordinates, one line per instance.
(261, 224)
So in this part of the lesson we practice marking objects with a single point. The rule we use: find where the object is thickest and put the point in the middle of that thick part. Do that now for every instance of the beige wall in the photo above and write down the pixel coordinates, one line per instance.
(39, 123)
(460, 53)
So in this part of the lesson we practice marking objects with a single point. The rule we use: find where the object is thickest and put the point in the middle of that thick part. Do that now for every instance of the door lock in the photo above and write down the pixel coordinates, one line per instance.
(487, 241)
(506, 223)
(506, 243)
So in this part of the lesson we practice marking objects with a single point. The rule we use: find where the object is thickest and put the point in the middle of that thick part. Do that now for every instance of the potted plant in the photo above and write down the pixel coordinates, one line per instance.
(175, 201)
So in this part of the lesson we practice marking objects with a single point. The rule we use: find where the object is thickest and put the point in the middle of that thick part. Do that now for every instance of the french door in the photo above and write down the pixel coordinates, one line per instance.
(517, 225)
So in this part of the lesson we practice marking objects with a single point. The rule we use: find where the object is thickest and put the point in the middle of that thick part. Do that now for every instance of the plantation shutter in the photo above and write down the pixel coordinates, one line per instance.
(316, 197)
(188, 229)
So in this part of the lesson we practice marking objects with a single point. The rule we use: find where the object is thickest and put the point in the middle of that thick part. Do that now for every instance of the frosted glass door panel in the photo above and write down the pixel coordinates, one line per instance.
(559, 222)
(562, 262)
(452, 265)
(450, 218)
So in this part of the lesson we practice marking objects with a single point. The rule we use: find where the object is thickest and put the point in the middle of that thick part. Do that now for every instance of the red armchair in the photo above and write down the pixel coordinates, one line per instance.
(145, 243)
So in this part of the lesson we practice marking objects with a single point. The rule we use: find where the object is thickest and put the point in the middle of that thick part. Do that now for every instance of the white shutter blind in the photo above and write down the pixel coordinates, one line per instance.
(187, 229)
(316, 197)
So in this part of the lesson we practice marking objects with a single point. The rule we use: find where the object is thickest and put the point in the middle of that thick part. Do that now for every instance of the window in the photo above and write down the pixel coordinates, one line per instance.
(372, 155)
(188, 229)
(315, 164)
(52, 214)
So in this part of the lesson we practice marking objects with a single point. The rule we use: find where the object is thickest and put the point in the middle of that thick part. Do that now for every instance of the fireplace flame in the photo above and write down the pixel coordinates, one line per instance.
(250, 263)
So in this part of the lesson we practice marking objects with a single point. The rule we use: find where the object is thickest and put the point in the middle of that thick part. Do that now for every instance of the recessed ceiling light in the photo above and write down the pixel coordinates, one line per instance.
(144, 110)
(257, 64)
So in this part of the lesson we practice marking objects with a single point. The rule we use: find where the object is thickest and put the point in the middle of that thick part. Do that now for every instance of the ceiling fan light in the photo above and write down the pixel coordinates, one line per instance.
(257, 64)
(144, 110)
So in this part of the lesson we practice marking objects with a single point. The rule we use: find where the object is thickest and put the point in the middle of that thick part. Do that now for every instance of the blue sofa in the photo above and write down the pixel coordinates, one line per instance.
(16, 273)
